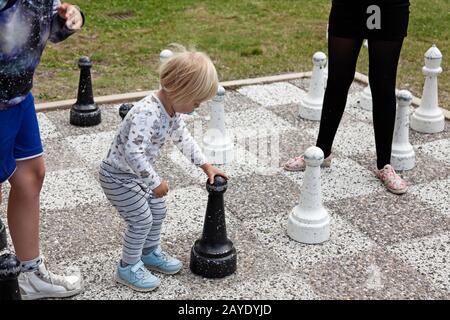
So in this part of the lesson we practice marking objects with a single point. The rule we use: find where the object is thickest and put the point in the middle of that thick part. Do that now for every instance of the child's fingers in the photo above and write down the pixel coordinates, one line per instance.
(223, 174)
(74, 23)
(62, 10)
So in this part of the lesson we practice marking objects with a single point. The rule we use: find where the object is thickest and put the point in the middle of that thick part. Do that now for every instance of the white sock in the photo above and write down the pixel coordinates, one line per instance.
(30, 265)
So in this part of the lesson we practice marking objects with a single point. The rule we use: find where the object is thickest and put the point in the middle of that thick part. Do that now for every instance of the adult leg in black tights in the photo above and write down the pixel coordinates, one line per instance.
(383, 62)
(342, 57)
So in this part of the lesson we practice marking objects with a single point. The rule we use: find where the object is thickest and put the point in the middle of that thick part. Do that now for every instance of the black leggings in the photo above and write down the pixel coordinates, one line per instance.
(383, 60)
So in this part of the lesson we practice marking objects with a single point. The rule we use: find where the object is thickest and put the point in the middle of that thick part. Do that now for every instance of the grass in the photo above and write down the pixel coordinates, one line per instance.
(245, 39)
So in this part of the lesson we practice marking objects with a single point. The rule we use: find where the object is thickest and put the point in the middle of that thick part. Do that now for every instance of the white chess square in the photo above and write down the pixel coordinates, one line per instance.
(352, 138)
(244, 164)
(279, 93)
(255, 123)
(344, 240)
(46, 127)
(344, 179)
(186, 209)
(68, 189)
(435, 193)
(439, 149)
(98, 272)
(92, 147)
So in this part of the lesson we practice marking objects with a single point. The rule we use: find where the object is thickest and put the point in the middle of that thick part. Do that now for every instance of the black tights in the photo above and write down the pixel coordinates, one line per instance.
(383, 60)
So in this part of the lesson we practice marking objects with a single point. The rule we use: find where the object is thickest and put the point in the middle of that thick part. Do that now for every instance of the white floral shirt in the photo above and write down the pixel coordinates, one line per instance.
(141, 135)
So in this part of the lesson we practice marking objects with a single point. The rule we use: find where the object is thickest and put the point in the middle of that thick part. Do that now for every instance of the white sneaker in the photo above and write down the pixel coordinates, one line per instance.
(45, 284)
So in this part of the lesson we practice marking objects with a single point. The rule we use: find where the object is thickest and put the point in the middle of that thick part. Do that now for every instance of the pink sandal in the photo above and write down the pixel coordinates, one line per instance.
(299, 164)
(393, 182)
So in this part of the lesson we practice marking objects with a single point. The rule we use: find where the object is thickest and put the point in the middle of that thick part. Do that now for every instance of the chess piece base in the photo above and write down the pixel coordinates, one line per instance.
(310, 110)
(221, 155)
(9, 271)
(218, 149)
(427, 124)
(310, 228)
(403, 159)
(215, 265)
(83, 118)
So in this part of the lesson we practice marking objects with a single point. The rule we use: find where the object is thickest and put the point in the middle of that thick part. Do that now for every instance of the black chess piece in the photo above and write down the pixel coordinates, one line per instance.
(124, 108)
(2, 236)
(84, 112)
(9, 271)
(213, 255)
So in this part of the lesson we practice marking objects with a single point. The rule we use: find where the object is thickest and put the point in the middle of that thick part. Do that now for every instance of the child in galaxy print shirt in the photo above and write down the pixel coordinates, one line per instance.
(25, 27)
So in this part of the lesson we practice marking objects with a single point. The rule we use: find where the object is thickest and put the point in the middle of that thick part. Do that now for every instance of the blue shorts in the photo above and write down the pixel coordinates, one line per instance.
(19, 136)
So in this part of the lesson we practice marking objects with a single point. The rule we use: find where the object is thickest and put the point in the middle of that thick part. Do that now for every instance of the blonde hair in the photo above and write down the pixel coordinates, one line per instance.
(189, 76)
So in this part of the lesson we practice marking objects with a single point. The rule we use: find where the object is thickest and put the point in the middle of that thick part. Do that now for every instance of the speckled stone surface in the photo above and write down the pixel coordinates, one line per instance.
(344, 179)
(381, 246)
(430, 256)
(387, 218)
(273, 94)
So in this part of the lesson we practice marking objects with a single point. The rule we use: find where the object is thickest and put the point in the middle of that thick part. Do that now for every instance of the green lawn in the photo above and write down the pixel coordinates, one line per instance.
(245, 39)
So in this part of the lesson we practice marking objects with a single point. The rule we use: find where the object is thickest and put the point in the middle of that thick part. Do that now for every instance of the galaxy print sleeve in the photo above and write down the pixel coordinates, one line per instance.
(58, 29)
(25, 27)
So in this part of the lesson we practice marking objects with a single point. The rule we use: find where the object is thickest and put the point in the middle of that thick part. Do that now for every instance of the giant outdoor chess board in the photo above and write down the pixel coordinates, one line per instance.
(381, 245)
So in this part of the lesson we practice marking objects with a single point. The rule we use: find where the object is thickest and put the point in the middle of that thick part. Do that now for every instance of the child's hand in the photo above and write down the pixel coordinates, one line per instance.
(72, 15)
(161, 190)
(212, 171)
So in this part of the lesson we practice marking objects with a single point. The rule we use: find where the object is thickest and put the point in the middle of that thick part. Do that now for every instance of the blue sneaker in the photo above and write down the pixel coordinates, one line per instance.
(137, 277)
(160, 261)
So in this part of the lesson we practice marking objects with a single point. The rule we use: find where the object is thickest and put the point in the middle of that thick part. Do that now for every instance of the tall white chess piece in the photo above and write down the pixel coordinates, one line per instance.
(429, 118)
(217, 144)
(309, 221)
(365, 98)
(311, 106)
(402, 156)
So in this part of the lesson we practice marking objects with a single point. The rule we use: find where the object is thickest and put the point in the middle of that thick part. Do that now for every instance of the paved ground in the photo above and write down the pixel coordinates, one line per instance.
(381, 246)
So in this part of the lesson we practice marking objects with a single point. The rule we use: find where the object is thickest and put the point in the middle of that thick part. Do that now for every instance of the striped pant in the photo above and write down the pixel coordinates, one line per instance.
(135, 203)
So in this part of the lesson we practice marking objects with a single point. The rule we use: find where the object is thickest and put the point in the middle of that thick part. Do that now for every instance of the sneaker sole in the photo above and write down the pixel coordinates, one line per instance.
(55, 295)
(402, 191)
(162, 271)
(301, 169)
(119, 280)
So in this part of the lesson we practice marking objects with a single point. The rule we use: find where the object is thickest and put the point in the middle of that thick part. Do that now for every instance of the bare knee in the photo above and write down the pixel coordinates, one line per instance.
(28, 178)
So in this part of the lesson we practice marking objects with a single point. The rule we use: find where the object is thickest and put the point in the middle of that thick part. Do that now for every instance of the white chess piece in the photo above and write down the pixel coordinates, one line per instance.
(217, 144)
(163, 56)
(365, 98)
(403, 156)
(429, 118)
(311, 106)
(309, 221)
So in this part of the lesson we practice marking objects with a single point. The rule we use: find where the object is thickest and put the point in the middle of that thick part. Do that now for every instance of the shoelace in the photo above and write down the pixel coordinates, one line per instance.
(162, 254)
(53, 278)
(142, 273)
